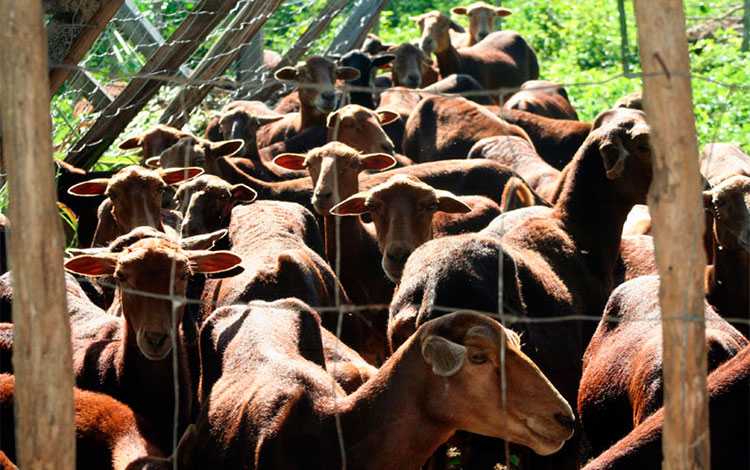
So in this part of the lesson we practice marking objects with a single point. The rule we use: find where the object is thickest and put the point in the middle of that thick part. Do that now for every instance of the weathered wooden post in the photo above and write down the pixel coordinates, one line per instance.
(677, 212)
(623, 36)
(42, 356)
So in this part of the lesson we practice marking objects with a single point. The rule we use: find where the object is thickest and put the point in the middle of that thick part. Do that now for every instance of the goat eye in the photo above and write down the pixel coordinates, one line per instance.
(478, 358)
(112, 196)
(718, 202)
(120, 277)
(224, 197)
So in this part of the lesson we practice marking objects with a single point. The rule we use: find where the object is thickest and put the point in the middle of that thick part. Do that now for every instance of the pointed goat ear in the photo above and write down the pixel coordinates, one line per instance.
(353, 205)
(286, 73)
(212, 261)
(457, 27)
(291, 161)
(377, 161)
(459, 10)
(446, 357)
(153, 162)
(347, 73)
(204, 241)
(102, 264)
(500, 11)
(184, 451)
(94, 187)
(176, 175)
(449, 203)
(382, 60)
(386, 116)
(331, 119)
(226, 148)
(243, 193)
(268, 119)
(131, 143)
(614, 156)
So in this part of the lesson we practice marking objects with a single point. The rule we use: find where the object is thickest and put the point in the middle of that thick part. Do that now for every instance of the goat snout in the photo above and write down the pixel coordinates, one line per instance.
(482, 34)
(568, 421)
(154, 345)
(428, 45)
(413, 80)
(398, 256)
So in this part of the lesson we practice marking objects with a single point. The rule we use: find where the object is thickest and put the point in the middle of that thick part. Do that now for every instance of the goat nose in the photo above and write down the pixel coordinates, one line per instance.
(328, 95)
(483, 35)
(398, 256)
(568, 421)
(156, 340)
(324, 195)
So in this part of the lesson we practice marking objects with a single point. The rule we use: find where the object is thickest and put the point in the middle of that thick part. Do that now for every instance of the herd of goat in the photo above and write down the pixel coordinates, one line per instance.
(344, 267)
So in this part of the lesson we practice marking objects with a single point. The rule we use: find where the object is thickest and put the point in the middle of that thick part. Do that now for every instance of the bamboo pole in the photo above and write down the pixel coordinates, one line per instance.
(42, 355)
(676, 208)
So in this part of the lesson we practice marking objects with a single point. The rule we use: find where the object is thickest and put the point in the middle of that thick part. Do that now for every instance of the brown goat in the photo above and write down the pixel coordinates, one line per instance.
(126, 356)
(445, 378)
(206, 202)
(728, 411)
(561, 264)
(402, 209)
(622, 381)
(444, 127)
(502, 61)
(316, 77)
(241, 119)
(108, 435)
(481, 22)
(638, 221)
(543, 98)
(361, 128)
(728, 278)
(134, 198)
(154, 141)
(409, 66)
(720, 161)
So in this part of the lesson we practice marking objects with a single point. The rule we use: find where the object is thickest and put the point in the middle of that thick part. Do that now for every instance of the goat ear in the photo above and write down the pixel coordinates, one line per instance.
(286, 73)
(153, 162)
(614, 156)
(448, 202)
(347, 73)
(204, 241)
(331, 119)
(386, 116)
(240, 192)
(184, 451)
(94, 187)
(131, 143)
(212, 261)
(73, 252)
(446, 357)
(176, 175)
(376, 161)
(263, 120)
(383, 60)
(353, 205)
(500, 11)
(226, 148)
(102, 264)
(459, 10)
(457, 27)
(425, 58)
(291, 161)
(516, 195)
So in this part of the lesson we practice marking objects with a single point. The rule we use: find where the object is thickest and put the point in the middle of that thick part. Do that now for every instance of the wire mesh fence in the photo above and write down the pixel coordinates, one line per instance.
(216, 62)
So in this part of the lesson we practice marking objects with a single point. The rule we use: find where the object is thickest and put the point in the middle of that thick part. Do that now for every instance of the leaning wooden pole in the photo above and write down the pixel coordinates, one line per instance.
(42, 356)
(676, 210)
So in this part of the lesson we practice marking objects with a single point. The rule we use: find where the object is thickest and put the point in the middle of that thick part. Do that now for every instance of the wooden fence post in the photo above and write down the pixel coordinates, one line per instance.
(623, 36)
(298, 49)
(677, 214)
(248, 21)
(42, 355)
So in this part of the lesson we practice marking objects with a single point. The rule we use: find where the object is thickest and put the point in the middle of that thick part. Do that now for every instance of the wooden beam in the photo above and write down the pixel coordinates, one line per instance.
(89, 34)
(42, 355)
(85, 84)
(130, 21)
(299, 48)
(246, 23)
(354, 31)
(677, 215)
(162, 64)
